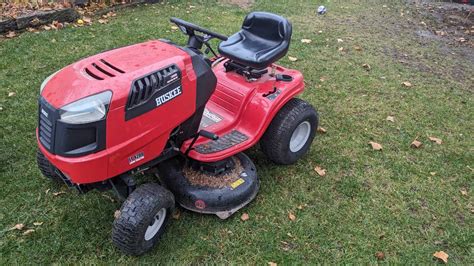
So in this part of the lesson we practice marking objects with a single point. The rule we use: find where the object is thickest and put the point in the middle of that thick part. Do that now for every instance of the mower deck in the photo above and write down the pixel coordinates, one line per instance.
(239, 111)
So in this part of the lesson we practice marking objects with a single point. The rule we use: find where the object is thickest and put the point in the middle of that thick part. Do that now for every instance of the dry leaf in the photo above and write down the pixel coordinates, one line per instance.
(380, 255)
(116, 214)
(322, 79)
(436, 140)
(416, 144)
(102, 21)
(10, 34)
(433, 173)
(340, 40)
(18, 227)
(245, 216)
(11, 94)
(367, 67)
(390, 118)
(292, 59)
(29, 231)
(358, 48)
(174, 27)
(291, 216)
(45, 27)
(87, 20)
(37, 223)
(463, 191)
(271, 263)
(320, 171)
(176, 214)
(321, 130)
(306, 41)
(375, 146)
(441, 255)
(58, 193)
(341, 49)
(407, 84)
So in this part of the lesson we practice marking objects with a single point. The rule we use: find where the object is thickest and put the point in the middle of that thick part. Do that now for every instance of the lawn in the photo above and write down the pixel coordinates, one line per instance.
(404, 202)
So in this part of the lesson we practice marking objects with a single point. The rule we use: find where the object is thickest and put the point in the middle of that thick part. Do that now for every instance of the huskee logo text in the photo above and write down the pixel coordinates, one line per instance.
(168, 96)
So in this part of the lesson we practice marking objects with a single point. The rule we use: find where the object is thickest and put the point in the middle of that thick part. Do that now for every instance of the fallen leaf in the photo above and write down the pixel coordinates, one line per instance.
(320, 171)
(37, 223)
(87, 20)
(102, 21)
(176, 214)
(321, 130)
(463, 191)
(18, 227)
(291, 216)
(340, 40)
(440, 33)
(375, 146)
(29, 231)
(436, 140)
(11, 34)
(45, 27)
(380, 255)
(341, 49)
(416, 144)
(35, 21)
(116, 214)
(433, 173)
(407, 84)
(245, 216)
(306, 41)
(358, 48)
(322, 79)
(367, 67)
(302, 206)
(174, 27)
(271, 263)
(292, 59)
(390, 118)
(461, 40)
(58, 193)
(441, 255)
(11, 94)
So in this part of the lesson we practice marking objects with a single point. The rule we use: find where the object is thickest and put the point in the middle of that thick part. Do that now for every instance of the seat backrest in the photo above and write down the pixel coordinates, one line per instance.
(268, 26)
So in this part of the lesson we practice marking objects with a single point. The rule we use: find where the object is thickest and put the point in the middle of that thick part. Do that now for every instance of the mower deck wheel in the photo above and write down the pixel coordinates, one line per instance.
(46, 168)
(142, 219)
(291, 132)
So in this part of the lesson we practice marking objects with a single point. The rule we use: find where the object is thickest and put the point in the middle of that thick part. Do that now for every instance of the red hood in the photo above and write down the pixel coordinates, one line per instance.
(112, 70)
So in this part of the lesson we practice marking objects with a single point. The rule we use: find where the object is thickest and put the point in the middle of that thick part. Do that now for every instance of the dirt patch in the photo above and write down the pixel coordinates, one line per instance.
(241, 3)
(200, 179)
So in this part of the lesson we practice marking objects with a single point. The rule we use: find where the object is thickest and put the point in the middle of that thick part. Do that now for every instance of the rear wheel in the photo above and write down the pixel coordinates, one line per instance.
(46, 168)
(142, 219)
(291, 132)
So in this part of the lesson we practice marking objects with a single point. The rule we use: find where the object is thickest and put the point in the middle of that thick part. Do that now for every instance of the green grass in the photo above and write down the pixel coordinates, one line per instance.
(369, 201)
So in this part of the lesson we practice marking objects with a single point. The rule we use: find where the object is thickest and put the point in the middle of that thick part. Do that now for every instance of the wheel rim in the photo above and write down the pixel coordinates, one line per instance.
(300, 136)
(156, 224)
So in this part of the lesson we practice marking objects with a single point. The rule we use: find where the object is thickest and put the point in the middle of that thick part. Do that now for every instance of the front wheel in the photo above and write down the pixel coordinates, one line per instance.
(291, 132)
(142, 219)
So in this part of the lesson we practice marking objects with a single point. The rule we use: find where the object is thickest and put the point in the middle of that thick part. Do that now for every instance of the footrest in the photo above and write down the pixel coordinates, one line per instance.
(224, 142)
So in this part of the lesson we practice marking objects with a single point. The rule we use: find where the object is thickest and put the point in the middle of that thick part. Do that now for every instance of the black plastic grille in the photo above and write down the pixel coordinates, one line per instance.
(46, 126)
(143, 88)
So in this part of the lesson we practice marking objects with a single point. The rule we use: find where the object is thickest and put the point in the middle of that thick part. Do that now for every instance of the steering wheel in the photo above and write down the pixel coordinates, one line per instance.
(189, 29)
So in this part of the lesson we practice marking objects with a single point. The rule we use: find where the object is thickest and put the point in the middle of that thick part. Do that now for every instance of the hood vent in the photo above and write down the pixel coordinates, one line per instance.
(102, 70)
(144, 88)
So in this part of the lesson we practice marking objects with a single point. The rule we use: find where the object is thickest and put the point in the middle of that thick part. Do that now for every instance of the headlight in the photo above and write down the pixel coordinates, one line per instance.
(86, 110)
(47, 80)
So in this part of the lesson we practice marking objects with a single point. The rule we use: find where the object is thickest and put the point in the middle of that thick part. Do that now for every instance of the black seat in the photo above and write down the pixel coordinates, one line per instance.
(263, 39)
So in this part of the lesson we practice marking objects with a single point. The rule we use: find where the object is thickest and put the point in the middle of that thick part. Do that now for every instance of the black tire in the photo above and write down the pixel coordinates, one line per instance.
(137, 214)
(46, 168)
(275, 143)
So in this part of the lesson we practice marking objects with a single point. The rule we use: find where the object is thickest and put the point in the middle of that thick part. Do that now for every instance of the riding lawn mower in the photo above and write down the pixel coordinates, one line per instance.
(169, 110)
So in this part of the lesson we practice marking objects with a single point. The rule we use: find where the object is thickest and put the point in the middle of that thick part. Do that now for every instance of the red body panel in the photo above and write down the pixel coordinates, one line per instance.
(243, 107)
(239, 102)
(147, 133)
